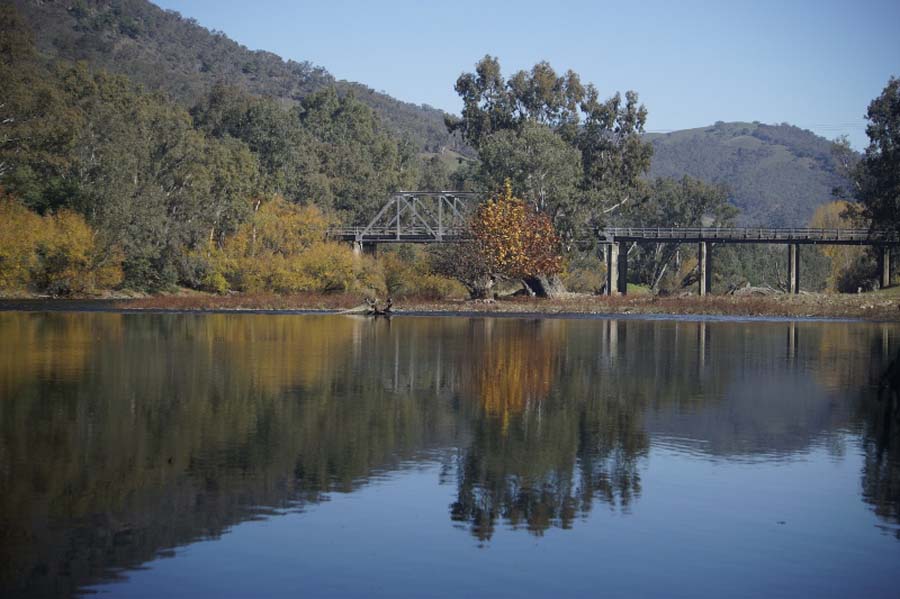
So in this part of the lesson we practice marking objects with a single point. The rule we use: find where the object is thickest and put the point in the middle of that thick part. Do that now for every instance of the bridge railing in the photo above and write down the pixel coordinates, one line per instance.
(391, 232)
(796, 234)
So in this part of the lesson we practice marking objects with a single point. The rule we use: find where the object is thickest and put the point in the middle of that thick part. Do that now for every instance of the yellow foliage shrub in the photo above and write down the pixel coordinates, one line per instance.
(282, 248)
(71, 262)
(20, 230)
(55, 253)
(411, 275)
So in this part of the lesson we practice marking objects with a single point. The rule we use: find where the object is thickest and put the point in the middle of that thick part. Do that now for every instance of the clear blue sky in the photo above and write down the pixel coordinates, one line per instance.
(814, 64)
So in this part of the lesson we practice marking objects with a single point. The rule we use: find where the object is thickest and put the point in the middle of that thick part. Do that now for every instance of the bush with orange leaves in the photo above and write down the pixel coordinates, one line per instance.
(516, 241)
(511, 240)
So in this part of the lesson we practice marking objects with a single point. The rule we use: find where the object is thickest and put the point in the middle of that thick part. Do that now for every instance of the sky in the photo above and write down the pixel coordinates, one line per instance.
(816, 64)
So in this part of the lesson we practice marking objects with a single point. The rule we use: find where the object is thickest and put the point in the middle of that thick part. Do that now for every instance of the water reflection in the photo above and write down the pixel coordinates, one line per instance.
(881, 441)
(122, 436)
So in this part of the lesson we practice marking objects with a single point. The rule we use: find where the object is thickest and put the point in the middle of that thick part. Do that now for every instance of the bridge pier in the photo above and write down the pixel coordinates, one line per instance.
(884, 266)
(362, 247)
(704, 262)
(612, 269)
(793, 268)
(616, 269)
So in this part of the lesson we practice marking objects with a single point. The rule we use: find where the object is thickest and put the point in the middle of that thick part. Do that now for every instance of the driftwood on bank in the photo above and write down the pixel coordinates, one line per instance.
(372, 308)
(750, 290)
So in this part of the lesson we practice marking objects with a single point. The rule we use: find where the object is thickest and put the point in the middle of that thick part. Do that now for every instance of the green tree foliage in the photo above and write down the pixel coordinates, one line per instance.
(589, 153)
(669, 203)
(876, 176)
(164, 51)
(435, 175)
(331, 150)
(360, 163)
(542, 167)
(164, 184)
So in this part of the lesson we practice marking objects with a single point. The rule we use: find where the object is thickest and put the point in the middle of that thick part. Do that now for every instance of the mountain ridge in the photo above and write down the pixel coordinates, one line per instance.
(776, 174)
(163, 50)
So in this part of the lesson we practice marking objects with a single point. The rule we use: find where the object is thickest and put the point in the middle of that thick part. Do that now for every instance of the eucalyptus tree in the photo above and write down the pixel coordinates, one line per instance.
(876, 176)
(687, 202)
(558, 120)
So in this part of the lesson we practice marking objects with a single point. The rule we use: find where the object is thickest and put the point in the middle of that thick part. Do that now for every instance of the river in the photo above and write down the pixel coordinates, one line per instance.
(257, 455)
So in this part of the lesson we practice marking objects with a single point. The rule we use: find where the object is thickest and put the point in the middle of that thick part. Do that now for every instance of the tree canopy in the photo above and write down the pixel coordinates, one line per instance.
(877, 174)
(573, 155)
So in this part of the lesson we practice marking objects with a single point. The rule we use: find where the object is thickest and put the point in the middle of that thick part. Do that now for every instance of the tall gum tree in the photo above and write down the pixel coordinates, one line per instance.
(541, 116)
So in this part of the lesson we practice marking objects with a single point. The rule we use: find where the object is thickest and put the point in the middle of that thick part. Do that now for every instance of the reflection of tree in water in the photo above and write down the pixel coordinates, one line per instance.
(544, 444)
(880, 413)
(122, 435)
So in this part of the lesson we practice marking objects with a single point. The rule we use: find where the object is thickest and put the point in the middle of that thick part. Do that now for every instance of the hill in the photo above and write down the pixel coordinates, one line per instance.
(162, 50)
(777, 174)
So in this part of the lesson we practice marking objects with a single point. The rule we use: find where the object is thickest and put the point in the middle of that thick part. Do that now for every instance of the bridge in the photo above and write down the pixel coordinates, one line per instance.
(442, 217)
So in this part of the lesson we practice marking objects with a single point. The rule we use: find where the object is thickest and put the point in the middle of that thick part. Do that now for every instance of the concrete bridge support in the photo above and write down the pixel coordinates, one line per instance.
(704, 262)
(612, 269)
(361, 247)
(793, 268)
(884, 266)
(616, 269)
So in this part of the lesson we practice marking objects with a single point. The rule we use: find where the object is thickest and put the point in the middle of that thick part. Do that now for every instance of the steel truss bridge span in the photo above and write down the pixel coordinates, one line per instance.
(443, 217)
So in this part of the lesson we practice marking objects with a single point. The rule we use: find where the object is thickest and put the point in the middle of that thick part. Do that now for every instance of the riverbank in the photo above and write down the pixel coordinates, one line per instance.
(881, 306)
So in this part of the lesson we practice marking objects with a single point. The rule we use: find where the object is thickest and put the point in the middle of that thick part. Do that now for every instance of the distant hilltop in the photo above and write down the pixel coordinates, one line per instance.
(777, 174)
(164, 51)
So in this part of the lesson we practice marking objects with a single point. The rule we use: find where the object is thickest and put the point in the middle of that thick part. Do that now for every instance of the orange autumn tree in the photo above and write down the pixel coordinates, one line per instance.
(515, 240)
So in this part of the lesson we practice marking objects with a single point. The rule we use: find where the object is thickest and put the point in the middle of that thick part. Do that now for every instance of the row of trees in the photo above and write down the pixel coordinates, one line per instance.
(581, 163)
(173, 196)
(158, 184)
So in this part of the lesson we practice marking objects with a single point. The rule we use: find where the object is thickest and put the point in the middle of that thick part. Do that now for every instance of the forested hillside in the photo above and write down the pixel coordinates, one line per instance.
(164, 51)
(777, 175)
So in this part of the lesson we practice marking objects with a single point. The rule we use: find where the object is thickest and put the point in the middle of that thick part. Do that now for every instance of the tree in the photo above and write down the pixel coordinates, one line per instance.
(516, 240)
(512, 240)
(435, 175)
(687, 202)
(543, 112)
(876, 176)
(842, 258)
(360, 164)
(542, 167)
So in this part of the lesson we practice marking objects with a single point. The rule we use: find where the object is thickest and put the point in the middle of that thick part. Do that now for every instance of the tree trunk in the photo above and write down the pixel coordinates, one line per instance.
(481, 288)
(546, 286)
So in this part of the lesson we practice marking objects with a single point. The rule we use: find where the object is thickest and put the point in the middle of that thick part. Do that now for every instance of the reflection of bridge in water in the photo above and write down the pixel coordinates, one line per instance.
(442, 217)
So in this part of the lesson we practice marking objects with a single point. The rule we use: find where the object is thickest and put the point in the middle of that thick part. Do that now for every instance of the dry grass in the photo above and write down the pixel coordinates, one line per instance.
(240, 301)
(866, 306)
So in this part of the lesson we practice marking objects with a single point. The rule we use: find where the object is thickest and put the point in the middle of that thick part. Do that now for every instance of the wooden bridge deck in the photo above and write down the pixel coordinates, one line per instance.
(786, 235)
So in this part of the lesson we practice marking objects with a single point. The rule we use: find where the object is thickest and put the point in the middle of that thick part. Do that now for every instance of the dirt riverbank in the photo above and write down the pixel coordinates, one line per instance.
(882, 306)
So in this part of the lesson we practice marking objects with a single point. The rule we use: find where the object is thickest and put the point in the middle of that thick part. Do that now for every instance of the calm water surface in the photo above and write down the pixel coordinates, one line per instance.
(245, 455)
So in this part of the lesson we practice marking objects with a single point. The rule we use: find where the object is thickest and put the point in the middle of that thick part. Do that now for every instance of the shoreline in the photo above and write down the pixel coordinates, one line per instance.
(872, 307)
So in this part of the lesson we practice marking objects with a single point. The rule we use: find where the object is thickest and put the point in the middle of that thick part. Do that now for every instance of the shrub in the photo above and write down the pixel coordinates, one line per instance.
(58, 254)
(20, 230)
